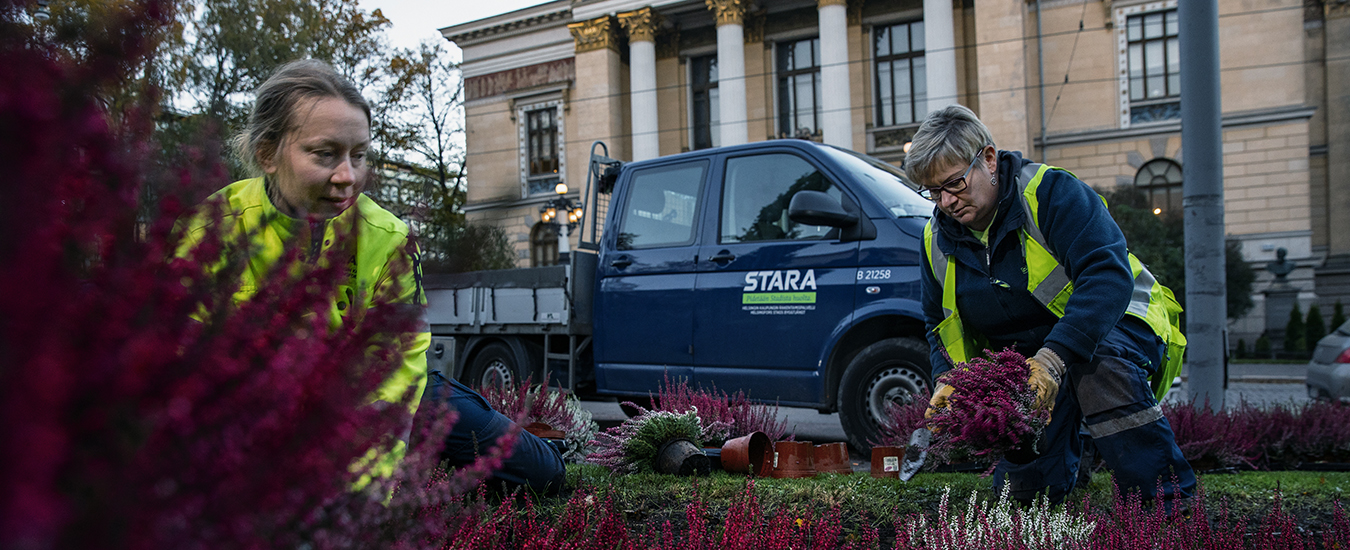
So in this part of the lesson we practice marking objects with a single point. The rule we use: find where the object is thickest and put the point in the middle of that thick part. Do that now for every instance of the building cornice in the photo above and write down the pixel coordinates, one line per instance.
(1246, 118)
(516, 22)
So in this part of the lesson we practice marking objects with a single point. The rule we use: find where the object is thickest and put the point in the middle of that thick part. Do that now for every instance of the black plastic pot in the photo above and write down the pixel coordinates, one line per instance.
(682, 457)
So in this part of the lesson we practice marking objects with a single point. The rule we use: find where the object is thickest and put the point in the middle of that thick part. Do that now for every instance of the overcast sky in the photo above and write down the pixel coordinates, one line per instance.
(417, 20)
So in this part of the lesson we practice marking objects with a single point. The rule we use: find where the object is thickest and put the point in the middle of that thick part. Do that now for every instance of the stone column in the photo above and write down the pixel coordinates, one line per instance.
(641, 27)
(731, 69)
(1002, 72)
(939, 44)
(836, 117)
(594, 110)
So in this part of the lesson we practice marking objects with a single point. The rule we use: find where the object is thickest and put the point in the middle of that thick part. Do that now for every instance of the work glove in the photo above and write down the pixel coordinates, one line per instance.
(1047, 369)
(939, 400)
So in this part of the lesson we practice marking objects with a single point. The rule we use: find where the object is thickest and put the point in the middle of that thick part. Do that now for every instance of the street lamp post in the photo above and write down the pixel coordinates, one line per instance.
(571, 214)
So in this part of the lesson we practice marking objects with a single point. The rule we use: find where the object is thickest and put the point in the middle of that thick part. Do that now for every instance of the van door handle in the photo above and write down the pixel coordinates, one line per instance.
(724, 257)
(621, 262)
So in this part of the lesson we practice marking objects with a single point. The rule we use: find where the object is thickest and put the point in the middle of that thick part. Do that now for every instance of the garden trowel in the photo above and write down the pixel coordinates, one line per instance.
(915, 453)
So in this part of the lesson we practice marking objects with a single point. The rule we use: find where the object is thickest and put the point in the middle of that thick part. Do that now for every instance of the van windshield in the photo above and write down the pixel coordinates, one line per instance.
(886, 182)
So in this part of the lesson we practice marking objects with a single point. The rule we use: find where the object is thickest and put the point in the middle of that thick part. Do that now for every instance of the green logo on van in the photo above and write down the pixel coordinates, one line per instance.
(779, 298)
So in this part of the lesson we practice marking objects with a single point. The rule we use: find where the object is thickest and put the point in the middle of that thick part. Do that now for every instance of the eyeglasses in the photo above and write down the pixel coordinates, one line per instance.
(954, 186)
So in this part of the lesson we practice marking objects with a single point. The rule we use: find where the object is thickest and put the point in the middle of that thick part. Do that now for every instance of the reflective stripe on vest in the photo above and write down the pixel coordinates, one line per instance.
(1049, 283)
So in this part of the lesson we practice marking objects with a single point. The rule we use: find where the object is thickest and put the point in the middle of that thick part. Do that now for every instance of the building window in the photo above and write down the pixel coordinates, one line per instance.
(799, 88)
(544, 245)
(703, 91)
(541, 146)
(1160, 181)
(902, 83)
(1154, 59)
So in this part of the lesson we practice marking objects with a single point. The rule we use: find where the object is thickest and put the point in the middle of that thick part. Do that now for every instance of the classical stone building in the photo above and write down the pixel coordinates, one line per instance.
(1089, 85)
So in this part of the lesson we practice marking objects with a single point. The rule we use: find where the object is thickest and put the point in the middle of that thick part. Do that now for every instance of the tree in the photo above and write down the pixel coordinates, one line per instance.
(1294, 332)
(424, 163)
(75, 29)
(1159, 241)
(1314, 327)
(448, 242)
(1337, 315)
(237, 44)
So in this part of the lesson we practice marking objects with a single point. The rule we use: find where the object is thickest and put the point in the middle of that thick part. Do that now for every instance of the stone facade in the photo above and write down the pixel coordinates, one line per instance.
(1060, 95)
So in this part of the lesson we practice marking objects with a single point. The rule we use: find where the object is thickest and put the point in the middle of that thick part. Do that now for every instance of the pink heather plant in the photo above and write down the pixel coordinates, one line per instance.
(1246, 436)
(990, 412)
(902, 420)
(139, 406)
(1210, 439)
(724, 416)
(549, 405)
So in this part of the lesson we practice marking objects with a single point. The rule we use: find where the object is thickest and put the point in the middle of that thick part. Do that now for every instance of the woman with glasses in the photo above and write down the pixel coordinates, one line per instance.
(1024, 255)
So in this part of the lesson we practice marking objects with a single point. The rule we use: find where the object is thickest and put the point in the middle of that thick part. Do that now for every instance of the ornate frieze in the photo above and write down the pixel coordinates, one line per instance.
(521, 78)
(595, 34)
(641, 25)
(728, 12)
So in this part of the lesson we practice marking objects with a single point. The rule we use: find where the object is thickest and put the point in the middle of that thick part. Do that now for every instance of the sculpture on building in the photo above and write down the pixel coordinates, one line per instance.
(1281, 266)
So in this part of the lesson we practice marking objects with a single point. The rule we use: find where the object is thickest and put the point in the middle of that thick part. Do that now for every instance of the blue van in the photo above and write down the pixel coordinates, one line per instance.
(787, 269)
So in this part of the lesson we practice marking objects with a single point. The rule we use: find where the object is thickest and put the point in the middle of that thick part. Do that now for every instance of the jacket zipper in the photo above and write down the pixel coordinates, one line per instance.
(316, 234)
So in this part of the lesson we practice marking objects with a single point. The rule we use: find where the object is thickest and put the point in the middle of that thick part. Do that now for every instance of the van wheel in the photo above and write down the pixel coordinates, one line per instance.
(495, 366)
(894, 370)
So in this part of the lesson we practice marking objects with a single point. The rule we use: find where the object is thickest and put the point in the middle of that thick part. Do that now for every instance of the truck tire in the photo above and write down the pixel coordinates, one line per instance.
(495, 365)
(891, 370)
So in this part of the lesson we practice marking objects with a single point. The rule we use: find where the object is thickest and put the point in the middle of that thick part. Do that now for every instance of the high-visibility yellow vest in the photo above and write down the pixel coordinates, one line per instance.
(1050, 285)
(382, 239)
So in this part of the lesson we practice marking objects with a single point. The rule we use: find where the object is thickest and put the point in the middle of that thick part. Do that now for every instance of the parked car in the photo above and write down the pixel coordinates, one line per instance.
(1329, 370)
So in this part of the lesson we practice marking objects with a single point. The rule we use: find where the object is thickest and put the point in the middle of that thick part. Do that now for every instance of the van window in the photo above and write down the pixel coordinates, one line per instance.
(661, 208)
(885, 181)
(756, 195)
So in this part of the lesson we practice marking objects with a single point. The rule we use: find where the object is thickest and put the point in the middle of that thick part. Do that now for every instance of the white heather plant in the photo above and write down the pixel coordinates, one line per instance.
(997, 525)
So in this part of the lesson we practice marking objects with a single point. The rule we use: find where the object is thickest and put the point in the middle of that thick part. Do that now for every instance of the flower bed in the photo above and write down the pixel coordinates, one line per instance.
(1310, 435)
(549, 405)
(745, 513)
(724, 416)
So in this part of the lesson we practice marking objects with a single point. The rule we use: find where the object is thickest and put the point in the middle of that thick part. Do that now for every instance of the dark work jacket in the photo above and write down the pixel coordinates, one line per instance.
(991, 284)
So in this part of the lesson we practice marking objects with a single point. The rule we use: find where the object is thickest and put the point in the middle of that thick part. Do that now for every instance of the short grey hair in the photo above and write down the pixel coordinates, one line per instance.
(951, 135)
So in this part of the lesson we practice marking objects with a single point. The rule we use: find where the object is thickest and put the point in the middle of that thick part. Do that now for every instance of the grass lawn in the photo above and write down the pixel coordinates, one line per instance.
(647, 501)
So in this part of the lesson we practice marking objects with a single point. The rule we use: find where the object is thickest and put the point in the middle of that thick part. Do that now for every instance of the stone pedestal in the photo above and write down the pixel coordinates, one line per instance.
(1280, 299)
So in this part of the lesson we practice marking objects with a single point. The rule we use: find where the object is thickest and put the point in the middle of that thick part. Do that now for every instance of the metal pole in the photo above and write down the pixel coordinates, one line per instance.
(1202, 142)
(1040, 66)
(564, 241)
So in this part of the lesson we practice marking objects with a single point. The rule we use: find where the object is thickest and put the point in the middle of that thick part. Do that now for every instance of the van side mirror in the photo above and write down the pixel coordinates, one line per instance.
(817, 208)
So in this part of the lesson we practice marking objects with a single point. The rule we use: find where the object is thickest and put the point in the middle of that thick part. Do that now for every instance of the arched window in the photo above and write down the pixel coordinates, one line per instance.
(543, 245)
(1160, 181)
